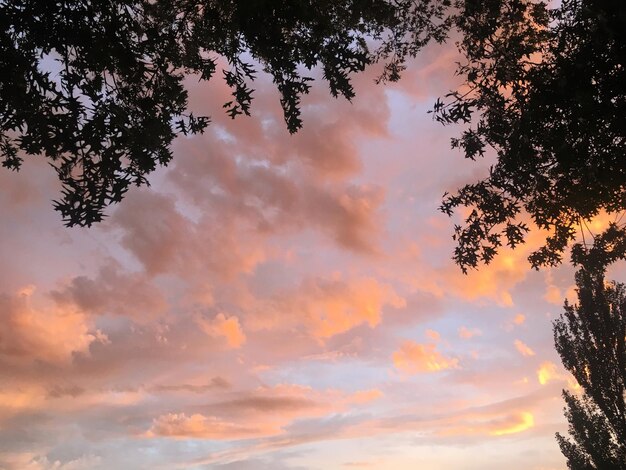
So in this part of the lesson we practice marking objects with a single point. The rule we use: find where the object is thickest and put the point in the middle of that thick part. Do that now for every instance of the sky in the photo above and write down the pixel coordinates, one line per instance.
(278, 302)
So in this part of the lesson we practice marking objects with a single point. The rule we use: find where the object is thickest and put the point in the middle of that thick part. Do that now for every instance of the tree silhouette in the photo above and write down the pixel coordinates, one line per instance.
(546, 91)
(590, 337)
(96, 87)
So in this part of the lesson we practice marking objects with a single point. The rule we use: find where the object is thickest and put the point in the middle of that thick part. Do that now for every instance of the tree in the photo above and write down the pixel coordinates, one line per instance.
(545, 90)
(590, 337)
(97, 87)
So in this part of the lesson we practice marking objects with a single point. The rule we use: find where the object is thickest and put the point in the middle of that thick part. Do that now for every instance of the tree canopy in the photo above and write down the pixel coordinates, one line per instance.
(97, 88)
(107, 115)
(590, 337)
(546, 91)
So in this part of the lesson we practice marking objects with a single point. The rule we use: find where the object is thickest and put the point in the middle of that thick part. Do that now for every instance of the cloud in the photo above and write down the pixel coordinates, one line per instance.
(474, 424)
(14, 400)
(281, 403)
(264, 412)
(523, 348)
(227, 327)
(179, 425)
(414, 358)
(272, 182)
(494, 281)
(328, 307)
(452, 426)
(547, 372)
(433, 335)
(289, 401)
(277, 199)
(59, 391)
(113, 291)
(518, 320)
(366, 396)
(216, 285)
(515, 423)
(360, 464)
(216, 383)
(550, 372)
(166, 241)
(557, 291)
(553, 295)
(467, 333)
(33, 461)
(327, 144)
(48, 333)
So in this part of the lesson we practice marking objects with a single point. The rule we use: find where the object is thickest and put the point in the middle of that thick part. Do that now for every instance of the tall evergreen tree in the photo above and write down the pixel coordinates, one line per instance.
(590, 337)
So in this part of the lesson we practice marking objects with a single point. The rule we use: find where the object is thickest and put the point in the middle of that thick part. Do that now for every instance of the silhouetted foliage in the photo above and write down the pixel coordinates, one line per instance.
(97, 88)
(546, 91)
(590, 337)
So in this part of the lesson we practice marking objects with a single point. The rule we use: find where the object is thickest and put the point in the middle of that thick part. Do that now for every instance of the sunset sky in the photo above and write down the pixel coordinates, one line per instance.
(278, 302)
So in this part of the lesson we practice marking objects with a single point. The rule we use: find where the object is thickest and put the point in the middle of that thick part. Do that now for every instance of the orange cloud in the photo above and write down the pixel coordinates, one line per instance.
(18, 400)
(496, 280)
(35, 461)
(547, 371)
(226, 327)
(337, 308)
(467, 333)
(165, 240)
(327, 144)
(516, 321)
(327, 307)
(272, 198)
(493, 281)
(366, 396)
(477, 424)
(49, 334)
(179, 425)
(553, 295)
(266, 411)
(413, 358)
(523, 348)
(114, 291)
(516, 423)
(434, 335)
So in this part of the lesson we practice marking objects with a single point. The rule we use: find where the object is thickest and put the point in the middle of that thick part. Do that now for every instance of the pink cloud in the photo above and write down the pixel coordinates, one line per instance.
(224, 326)
(467, 333)
(366, 396)
(327, 144)
(214, 285)
(414, 358)
(547, 372)
(113, 291)
(37, 461)
(523, 348)
(477, 425)
(166, 241)
(179, 425)
(553, 295)
(46, 333)
(327, 307)
(433, 335)
(263, 412)
(274, 199)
